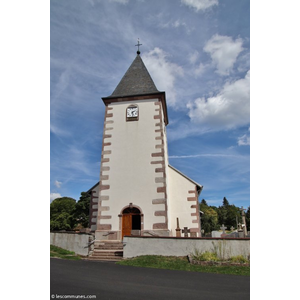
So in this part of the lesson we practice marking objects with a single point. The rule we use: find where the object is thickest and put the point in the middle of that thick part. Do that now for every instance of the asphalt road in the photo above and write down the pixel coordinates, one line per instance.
(109, 281)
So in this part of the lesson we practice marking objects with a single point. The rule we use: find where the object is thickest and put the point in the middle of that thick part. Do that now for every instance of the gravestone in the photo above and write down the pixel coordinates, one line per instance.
(185, 231)
(241, 231)
(241, 234)
(216, 234)
(223, 228)
(178, 233)
(242, 209)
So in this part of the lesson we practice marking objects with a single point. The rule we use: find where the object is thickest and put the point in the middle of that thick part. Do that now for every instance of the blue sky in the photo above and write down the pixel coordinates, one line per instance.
(198, 52)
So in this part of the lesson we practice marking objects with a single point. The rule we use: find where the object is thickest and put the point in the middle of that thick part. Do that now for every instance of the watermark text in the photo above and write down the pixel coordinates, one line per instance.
(56, 296)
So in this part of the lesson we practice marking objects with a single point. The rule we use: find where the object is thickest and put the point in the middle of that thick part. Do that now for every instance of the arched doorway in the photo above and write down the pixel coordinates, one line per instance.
(131, 221)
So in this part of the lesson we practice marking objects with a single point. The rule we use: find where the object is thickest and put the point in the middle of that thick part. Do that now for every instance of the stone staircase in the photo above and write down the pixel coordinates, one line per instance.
(107, 250)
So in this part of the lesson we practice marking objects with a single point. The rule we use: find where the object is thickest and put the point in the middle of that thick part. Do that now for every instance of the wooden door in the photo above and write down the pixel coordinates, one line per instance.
(126, 224)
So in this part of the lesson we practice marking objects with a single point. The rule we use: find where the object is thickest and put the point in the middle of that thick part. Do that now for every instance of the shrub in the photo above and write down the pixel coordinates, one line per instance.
(239, 259)
(204, 256)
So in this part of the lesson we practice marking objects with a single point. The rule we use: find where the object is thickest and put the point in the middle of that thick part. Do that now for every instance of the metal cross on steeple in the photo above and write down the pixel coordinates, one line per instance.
(138, 45)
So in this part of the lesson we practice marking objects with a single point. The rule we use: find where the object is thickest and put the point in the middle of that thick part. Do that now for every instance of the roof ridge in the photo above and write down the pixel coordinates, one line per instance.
(188, 178)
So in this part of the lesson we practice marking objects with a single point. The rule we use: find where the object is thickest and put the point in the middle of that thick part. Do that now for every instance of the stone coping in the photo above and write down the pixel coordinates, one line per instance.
(72, 232)
(186, 238)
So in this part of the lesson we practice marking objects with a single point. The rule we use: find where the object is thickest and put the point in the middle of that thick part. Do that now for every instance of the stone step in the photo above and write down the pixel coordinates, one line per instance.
(108, 244)
(106, 249)
(105, 258)
(107, 252)
(106, 255)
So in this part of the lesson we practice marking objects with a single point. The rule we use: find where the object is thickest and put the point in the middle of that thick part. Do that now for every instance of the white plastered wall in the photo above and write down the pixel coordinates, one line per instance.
(131, 174)
(179, 206)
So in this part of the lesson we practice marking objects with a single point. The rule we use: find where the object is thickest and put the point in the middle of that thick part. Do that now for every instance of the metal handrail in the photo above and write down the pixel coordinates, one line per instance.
(90, 243)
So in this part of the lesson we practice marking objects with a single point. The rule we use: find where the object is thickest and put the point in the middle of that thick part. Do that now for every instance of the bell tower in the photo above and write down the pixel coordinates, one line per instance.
(133, 194)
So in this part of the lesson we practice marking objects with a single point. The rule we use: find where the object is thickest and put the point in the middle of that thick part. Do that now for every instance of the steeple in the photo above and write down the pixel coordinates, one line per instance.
(136, 81)
(137, 84)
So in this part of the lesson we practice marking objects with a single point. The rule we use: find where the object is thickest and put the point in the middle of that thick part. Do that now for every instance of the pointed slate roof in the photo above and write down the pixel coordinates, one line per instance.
(136, 81)
(137, 84)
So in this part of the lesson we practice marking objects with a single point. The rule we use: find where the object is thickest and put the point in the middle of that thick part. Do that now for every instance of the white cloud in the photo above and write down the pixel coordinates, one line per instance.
(163, 72)
(62, 83)
(54, 196)
(58, 131)
(179, 23)
(224, 52)
(161, 22)
(200, 4)
(57, 183)
(244, 140)
(230, 108)
(200, 69)
(194, 57)
(174, 24)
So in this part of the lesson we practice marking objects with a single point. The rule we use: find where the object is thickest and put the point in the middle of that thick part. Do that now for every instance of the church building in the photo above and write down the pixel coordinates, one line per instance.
(139, 193)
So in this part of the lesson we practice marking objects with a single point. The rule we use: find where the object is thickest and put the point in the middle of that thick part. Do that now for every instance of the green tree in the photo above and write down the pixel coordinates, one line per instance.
(203, 202)
(233, 216)
(222, 215)
(225, 202)
(228, 214)
(209, 218)
(62, 213)
(82, 210)
(222, 212)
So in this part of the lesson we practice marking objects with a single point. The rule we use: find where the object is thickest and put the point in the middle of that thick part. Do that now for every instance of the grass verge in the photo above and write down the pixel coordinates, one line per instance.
(181, 263)
(62, 253)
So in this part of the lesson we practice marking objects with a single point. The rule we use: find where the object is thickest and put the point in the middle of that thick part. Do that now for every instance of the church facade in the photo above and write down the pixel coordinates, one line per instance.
(139, 193)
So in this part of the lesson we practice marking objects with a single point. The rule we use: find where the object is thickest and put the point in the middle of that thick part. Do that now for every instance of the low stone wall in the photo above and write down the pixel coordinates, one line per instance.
(72, 241)
(170, 246)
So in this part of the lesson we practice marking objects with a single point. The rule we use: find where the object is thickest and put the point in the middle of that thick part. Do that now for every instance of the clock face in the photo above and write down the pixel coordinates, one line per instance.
(132, 112)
